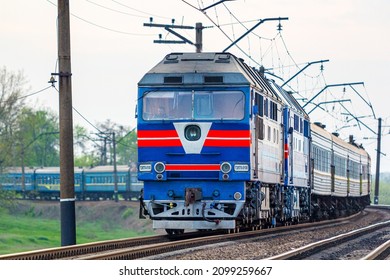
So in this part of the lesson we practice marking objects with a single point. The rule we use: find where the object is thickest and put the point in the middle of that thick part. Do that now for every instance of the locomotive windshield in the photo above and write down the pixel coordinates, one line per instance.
(200, 105)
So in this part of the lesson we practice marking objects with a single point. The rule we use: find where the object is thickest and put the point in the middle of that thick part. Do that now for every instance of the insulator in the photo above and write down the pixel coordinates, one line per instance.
(280, 27)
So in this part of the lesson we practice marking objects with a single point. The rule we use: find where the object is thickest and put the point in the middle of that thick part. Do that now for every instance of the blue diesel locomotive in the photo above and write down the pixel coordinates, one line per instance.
(222, 147)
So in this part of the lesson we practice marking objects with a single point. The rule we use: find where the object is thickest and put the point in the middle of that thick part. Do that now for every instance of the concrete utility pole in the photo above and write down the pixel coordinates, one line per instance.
(67, 196)
(198, 37)
(378, 160)
(115, 169)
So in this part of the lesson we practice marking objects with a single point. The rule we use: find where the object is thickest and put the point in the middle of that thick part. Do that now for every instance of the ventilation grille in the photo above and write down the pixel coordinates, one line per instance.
(213, 79)
(173, 80)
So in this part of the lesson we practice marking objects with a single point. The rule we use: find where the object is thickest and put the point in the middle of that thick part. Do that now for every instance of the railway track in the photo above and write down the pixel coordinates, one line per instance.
(134, 248)
(155, 246)
(321, 248)
(154, 250)
(84, 249)
(382, 252)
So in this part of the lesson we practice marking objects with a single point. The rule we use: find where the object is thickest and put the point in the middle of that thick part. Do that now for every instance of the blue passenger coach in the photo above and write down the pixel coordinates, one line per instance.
(92, 183)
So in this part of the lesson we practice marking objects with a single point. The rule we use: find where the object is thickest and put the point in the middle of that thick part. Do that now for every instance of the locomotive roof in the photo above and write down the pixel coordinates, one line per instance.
(317, 128)
(289, 99)
(213, 69)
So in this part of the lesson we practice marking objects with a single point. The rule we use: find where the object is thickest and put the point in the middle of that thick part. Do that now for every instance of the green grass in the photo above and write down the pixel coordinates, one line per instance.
(384, 193)
(20, 232)
(26, 233)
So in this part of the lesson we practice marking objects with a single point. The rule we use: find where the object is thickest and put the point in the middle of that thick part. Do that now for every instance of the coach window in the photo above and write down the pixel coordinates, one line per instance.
(296, 122)
(260, 125)
(269, 133)
(300, 125)
(364, 171)
(273, 108)
(260, 104)
(274, 135)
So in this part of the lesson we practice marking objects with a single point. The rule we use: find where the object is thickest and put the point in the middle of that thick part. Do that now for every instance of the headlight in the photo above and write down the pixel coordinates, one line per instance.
(226, 167)
(192, 133)
(145, 167)
(241, 167)
(237, 195)
(159, 167)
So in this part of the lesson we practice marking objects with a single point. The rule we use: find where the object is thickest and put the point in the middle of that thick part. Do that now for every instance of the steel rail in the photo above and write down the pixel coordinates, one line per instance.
(377, 253)
(88, 249)
(309, 249)
(151, 250)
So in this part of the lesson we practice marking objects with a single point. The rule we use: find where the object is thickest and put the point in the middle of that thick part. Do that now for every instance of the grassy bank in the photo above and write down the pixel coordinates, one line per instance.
(384, 193)
(29, 226)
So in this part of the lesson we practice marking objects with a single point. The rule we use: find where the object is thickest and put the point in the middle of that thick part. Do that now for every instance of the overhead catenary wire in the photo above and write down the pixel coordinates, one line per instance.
(103, 27)
(115, 10)
(95, 127)
(137, 10)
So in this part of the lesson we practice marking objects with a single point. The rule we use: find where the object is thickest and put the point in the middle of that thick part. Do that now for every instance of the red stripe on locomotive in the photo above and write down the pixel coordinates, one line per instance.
(192, 167)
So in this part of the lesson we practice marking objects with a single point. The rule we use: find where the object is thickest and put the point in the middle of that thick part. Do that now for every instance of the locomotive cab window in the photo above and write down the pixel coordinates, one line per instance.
(184, 105)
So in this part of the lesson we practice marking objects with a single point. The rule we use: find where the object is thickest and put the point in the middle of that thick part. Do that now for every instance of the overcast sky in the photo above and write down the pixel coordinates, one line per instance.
(111, 51)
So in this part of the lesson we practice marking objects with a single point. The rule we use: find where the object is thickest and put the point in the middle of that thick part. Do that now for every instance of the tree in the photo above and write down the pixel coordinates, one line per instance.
(11, 101)
(37, 137)
(126, 144)
(127, 148)
(84, 156)
(7, 198)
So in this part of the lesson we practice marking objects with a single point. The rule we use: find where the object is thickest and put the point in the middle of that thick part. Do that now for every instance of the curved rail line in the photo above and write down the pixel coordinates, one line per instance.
(380, 253)
(312, 248)
(142, 247)
(152, 250)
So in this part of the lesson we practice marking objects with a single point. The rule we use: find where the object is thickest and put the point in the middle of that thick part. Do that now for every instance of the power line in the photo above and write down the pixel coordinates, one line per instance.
(114, 10)
(101, 26)
(81, 115)
(142, 12)
(34, 93)
(225, 34)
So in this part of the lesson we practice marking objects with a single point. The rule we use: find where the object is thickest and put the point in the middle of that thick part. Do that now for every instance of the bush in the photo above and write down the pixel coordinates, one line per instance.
(7, 199)
(129, 212)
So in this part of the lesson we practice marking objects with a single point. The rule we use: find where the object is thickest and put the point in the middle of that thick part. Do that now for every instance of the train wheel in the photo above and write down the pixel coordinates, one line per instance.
(171, 231)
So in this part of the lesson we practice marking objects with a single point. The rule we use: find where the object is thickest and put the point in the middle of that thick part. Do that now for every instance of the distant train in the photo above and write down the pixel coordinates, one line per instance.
(93, 183)
(220, 146)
